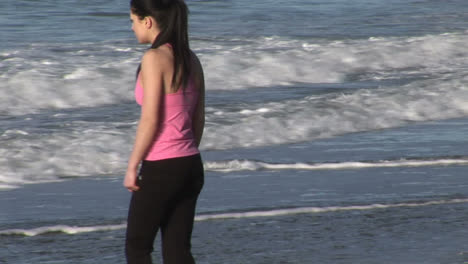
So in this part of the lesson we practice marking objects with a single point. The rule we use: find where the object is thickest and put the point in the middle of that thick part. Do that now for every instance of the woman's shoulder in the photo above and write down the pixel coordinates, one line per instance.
(159, 57)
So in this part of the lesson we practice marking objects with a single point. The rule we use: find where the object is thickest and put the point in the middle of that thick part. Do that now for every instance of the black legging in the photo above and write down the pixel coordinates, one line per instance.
(166, 200)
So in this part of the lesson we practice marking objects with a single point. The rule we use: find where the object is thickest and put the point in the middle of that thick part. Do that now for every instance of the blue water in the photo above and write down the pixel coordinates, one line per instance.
(336, 131)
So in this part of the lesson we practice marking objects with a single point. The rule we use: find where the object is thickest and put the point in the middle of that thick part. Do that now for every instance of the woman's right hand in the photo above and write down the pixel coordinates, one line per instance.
(130, 180)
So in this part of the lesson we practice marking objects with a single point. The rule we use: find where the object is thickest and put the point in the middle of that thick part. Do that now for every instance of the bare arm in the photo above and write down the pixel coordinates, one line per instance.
(152, 82)
(199, 115)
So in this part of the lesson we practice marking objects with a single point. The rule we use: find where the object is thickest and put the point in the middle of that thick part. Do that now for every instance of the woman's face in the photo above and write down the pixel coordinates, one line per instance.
(139, 28)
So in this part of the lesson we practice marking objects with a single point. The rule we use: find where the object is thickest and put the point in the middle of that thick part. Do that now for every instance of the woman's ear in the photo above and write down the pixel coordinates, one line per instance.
(148, 22)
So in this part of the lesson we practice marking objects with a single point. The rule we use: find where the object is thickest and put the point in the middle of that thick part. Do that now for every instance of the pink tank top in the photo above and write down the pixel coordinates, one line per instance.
(174, 137)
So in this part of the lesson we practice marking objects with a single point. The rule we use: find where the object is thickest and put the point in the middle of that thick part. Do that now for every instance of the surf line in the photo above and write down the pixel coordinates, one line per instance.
(72, 230)
(250, 165)
(310, 210)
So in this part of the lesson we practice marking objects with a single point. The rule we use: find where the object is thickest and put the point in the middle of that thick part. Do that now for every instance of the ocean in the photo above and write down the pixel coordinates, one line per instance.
(336, 131)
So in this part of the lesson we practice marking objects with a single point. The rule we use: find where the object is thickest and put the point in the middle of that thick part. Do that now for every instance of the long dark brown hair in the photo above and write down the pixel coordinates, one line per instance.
(171, 16)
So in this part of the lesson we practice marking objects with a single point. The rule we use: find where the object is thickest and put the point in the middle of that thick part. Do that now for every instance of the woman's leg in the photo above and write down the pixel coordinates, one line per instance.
(167, 197)
(176, 230)
(144, 217)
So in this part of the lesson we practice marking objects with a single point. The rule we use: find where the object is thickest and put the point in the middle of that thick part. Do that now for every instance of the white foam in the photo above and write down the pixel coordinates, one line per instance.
(329, 115)
(39, 77)
(82, 152)
(249, 165)
(13, 132)
(7, 187)
(259, 110)
(104, 150)
(88, 149)
(72, 230)
(311, 210)
(277, 61)
(78, 74)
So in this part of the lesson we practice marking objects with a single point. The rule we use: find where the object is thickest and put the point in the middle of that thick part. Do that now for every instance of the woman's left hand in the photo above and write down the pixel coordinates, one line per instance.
(130, 180)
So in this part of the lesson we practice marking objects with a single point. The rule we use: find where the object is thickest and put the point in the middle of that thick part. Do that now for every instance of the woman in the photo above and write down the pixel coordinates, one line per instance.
(170, 90)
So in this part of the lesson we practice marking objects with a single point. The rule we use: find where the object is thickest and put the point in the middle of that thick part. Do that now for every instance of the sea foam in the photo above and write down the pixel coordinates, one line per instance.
(251, 165)
(73, 75)
(94, 77)
(72, 230)
(321, 116)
